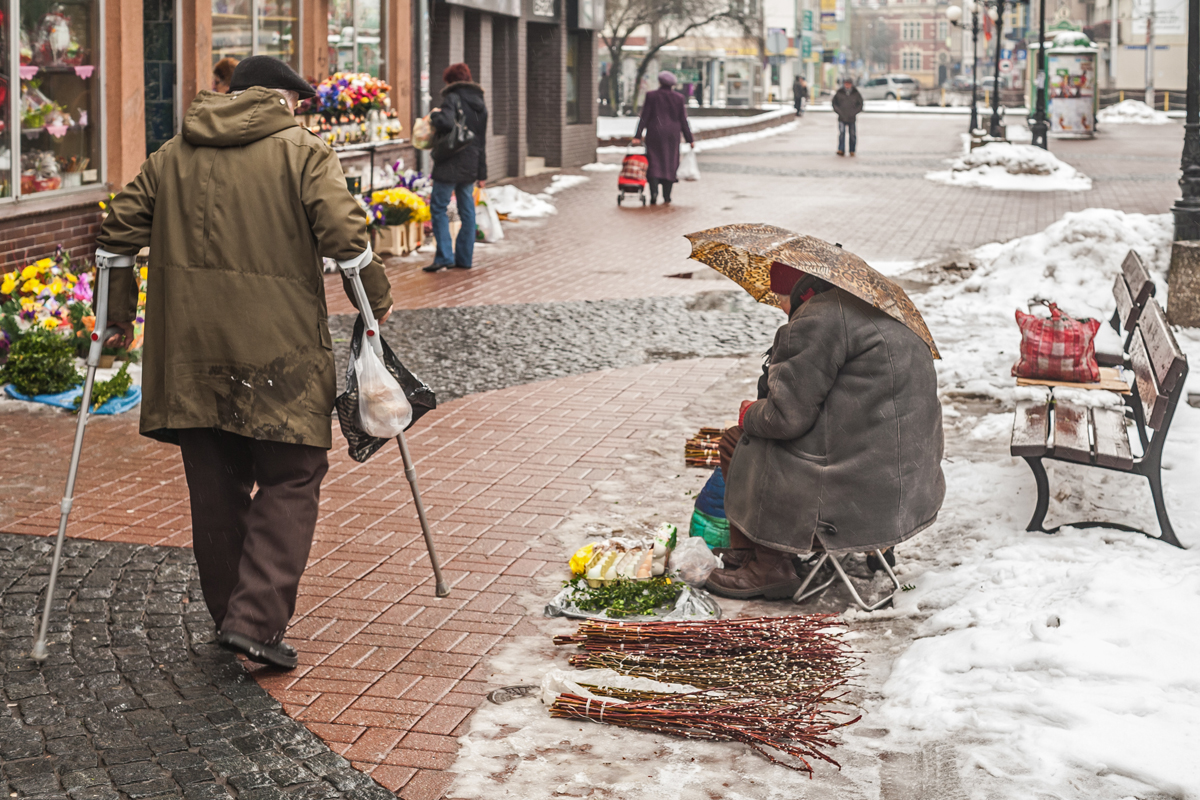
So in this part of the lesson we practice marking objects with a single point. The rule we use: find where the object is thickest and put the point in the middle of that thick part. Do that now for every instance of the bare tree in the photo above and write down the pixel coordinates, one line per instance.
(880, 44)
(668, 22)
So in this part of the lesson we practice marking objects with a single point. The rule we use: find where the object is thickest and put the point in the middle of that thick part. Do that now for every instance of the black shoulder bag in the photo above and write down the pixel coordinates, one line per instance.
(454, 140)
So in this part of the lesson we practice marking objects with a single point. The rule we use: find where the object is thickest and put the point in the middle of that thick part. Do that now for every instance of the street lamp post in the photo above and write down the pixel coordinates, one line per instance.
(997, 15)
(1039, 126)
(1187, 208)
(954, 14)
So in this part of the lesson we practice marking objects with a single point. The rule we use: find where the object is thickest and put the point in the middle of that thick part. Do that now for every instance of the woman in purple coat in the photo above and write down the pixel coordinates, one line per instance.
(664, 118)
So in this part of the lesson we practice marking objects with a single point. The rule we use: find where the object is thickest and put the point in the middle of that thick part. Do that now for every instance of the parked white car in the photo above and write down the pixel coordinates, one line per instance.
(889, 87)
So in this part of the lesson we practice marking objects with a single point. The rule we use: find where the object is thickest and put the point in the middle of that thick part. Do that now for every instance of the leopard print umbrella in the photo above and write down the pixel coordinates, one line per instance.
(744, 252)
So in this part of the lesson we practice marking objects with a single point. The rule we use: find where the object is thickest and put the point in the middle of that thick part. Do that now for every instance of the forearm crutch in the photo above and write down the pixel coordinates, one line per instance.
(100, 332)
(352, 269)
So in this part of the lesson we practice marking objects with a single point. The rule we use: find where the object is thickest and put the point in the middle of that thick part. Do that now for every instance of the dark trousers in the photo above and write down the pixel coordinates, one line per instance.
(251, 550)
(666, 189)
(843, 128)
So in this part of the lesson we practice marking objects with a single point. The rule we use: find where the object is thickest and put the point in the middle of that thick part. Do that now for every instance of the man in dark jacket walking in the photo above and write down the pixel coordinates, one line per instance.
(238, 365)
(799, 95)
(456, 173)
(847, 103)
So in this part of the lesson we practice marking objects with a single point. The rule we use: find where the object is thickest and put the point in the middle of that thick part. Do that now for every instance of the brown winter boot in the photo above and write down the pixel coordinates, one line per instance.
(767, 574)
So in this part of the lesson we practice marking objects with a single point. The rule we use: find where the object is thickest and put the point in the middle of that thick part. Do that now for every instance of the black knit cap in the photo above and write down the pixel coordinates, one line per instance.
(270, 73)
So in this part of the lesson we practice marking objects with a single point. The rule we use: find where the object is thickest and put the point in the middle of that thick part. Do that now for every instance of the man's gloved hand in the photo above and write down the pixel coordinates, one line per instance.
(742, 412)
(123, 339)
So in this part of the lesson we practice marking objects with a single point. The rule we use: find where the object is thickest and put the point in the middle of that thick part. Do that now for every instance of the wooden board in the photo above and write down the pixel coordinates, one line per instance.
(1110, 380)
(1166, 358)
(1030, 428)
(1071, 440)
(1141, 287)
(1112, 438)
(1154, 405)
(1124, 304)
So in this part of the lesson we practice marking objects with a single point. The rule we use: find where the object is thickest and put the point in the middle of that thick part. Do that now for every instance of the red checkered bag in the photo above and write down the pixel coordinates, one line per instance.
(1060, 348)
(633, 169)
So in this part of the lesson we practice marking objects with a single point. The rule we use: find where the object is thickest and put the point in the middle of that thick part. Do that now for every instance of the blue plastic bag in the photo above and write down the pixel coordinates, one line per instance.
(113, 405)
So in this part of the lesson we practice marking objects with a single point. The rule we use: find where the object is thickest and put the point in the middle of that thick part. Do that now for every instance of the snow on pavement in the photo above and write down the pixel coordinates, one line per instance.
(513, 202)
(1131, 112)
(618, 127)
(1006, 166)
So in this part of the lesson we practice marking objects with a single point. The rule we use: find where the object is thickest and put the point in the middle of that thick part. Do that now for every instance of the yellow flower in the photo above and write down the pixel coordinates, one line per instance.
(144, 271)
(45, 263)
(141, 298)
(9, 285)
(57, 287)
(32, 286)
(50, 323)
(31, 271)
(580, 560)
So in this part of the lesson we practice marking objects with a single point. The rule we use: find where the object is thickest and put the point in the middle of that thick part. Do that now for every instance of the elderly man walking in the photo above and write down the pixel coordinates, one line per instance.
(238, 362)
(847, 103)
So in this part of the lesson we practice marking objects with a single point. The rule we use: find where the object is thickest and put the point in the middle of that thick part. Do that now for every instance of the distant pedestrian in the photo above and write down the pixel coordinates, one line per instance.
(847, 103)
(223, 74)
(457, 173)
(699, 91)
(799, 95)
(664, 119)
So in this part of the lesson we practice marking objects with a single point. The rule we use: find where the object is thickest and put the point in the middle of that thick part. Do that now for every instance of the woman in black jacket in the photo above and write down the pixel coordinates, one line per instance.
(457, 173)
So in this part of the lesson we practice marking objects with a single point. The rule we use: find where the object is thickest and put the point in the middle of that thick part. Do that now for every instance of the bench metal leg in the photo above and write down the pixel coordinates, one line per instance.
(1166, 532)
(1043, 498)
(801, 594)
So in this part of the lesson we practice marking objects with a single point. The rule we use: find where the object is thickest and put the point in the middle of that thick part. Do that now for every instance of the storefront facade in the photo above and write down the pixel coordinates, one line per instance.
(537, 63)
(88, 88)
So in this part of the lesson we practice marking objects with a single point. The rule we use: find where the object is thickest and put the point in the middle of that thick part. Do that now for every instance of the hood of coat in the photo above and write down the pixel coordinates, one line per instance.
(470, 93)
(233, 120)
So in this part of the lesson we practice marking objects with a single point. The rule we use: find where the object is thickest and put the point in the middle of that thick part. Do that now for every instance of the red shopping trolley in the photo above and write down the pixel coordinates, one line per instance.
(632, 179)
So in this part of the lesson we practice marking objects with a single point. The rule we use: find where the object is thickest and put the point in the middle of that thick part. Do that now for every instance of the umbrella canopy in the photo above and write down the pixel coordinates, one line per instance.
(744, 252)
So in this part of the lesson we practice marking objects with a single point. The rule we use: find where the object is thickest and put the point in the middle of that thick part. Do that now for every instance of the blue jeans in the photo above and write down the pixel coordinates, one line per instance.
(842, 128)
(459, 252)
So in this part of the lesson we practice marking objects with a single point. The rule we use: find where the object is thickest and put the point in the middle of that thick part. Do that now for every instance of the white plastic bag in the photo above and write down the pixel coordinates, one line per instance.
(487, 220)
(692, 559)
(689, 168)
(422, 133)
(383, 410)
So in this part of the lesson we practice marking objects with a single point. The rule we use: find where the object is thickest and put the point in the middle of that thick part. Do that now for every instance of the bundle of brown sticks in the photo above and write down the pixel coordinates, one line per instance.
(774, 683)
(702, 449)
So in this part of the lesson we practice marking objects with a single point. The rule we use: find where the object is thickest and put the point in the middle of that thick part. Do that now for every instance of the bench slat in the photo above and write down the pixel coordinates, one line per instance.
(1030, 428)
(1071, 432)
(1112, 438)
(1166, 358)
(1141, 286)
(1154, 405)
(1126, 312)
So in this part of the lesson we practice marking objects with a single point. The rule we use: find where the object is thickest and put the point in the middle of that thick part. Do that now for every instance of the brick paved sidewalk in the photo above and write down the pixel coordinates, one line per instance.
(389, 673)
(878, 205)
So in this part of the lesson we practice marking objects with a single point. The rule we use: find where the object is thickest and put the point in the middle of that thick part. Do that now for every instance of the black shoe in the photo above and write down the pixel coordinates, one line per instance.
(433, 267)
(280, 655)
(873, 563)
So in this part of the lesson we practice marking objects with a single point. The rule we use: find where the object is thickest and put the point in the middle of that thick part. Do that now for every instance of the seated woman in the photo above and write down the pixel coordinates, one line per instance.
(843, 449)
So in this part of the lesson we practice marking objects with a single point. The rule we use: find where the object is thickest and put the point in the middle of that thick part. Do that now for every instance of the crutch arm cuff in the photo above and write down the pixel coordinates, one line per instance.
(109, 260)
(358, 262)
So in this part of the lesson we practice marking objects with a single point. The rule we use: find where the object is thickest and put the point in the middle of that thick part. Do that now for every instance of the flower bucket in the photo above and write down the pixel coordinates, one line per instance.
(391, 240)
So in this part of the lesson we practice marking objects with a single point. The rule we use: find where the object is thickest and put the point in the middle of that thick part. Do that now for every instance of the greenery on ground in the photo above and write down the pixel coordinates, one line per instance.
(41, 362)
(624, 597)
(116, 386)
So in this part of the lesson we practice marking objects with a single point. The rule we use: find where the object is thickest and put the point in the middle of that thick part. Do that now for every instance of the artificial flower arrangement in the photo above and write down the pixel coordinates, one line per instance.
(353, 93)
(399, 206)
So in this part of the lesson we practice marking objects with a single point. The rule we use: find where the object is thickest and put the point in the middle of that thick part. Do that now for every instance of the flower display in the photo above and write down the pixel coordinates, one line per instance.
(399, 206)
(416, 182)
(40, 295)
(350, 93)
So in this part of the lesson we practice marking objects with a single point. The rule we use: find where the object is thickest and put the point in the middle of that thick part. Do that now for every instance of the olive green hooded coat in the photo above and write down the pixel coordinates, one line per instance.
(237, 211)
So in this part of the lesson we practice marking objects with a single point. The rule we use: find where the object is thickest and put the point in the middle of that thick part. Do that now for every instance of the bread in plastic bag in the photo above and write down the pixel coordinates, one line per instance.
(383, 410)
(422, 133)
(694, 562)
(361, 444)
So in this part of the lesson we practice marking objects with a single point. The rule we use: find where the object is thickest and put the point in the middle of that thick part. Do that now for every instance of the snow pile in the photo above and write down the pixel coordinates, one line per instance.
(1072, 262)
(562, 182)
(1132, 111)
(1013, 167)
(601, 166)
(513, 202)
(1065, 665)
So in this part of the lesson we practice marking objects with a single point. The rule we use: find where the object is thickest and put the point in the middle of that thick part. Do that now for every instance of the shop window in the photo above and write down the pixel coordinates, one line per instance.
(243, 28)
(355, 36)
(49, 96)
(572, 78)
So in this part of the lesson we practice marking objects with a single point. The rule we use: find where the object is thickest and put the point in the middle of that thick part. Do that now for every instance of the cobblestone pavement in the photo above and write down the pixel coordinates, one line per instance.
(389, 673)
(877, 205)
(135, 700)
(460, 351)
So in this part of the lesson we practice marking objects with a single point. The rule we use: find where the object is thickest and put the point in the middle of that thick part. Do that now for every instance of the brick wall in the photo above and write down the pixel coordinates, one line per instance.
(579, 140)
(545, 78)
(32, 236)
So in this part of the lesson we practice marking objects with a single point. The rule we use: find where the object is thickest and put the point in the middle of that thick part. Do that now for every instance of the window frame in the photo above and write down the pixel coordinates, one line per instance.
(911, 25)
(383, 40)
(13, 132)
(906, 64)
(255, 13)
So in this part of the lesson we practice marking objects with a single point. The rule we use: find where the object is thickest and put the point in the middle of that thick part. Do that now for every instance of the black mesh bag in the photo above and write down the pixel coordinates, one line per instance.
(361, 444)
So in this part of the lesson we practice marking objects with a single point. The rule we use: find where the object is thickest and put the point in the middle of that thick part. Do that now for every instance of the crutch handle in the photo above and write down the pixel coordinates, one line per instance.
(352, 269)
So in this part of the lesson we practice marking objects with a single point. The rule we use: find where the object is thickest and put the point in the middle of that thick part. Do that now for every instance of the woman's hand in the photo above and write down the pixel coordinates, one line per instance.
(635, 141)
(745, 404)
(692, 145)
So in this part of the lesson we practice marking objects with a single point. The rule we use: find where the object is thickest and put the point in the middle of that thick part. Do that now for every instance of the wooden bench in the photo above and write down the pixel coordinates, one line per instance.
(1132, 289)
(1065, 431)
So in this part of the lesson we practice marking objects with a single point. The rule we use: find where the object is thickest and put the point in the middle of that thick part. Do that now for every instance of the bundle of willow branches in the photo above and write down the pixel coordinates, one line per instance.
(768, 682)
(703, 449)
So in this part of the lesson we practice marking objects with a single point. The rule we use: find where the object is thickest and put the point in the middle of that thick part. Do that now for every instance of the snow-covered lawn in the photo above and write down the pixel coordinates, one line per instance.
(1019, 665)
(1012, 167)
(1132, 111)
